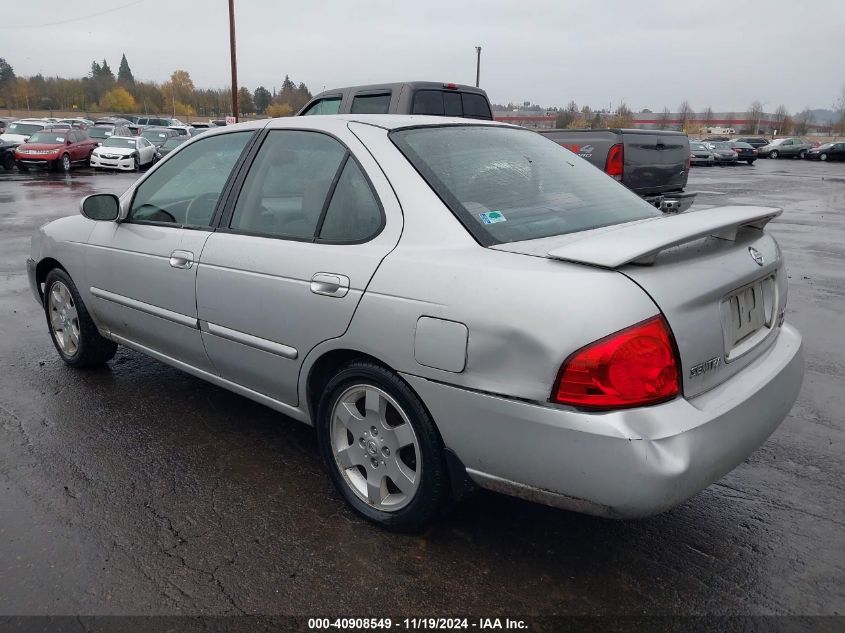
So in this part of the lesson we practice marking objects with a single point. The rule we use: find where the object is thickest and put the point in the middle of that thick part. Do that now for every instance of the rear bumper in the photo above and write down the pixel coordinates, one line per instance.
(619, 464)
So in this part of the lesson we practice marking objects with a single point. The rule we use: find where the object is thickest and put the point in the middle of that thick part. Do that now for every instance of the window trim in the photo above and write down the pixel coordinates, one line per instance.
(225, 219)
(215, 216)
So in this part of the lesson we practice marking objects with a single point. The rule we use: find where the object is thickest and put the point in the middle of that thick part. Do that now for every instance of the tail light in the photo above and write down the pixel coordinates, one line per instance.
(633, 367)
(614, 165)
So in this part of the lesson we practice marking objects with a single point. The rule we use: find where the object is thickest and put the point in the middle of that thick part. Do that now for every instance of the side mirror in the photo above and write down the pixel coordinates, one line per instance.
(67, 142)
(104, 207)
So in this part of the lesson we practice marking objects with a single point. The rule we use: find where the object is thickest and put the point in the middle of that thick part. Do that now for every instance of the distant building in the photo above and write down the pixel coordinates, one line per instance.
(535, 119)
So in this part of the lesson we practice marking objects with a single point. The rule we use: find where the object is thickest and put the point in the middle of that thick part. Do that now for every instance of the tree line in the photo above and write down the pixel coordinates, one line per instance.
(102, 91)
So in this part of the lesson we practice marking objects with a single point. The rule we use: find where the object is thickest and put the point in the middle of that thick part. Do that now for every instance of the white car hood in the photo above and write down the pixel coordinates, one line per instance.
(119, 151)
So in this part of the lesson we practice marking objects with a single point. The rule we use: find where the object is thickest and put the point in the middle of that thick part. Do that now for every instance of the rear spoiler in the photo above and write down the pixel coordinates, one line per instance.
(641, 242)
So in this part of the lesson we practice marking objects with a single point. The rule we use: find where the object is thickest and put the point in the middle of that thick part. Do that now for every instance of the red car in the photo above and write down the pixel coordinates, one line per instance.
(55, 148)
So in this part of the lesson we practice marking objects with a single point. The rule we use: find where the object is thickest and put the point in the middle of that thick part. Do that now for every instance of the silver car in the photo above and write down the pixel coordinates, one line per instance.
(450, 303)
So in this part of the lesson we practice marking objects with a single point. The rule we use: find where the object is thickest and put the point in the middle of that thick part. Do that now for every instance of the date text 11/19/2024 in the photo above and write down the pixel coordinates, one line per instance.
(422, 624)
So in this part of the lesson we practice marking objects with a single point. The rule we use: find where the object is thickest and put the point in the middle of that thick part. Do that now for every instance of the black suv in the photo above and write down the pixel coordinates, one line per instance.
(753, 141)
(412, 97)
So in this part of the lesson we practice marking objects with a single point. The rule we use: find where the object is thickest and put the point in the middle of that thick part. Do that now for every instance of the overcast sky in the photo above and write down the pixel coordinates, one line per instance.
(649, 53)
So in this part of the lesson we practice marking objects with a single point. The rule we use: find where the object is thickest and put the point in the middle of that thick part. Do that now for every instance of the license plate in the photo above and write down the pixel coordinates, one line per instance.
(747, 312)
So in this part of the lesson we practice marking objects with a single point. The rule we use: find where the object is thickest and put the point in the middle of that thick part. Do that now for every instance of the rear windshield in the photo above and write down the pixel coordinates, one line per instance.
(697, 146)
(155, 135)
(509, 185)
(451, 103)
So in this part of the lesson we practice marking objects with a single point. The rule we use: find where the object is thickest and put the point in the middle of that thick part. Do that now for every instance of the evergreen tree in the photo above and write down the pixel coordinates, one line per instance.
(106, 73)
(261, 98)
(124, 73)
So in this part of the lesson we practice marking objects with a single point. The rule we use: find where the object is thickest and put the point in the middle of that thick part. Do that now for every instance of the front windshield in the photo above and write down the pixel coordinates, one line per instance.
(47, 138)
(99, 132)
(120, 142)
(508, 185)
(172, 142)
(722, 146)
(23, 128)
(697, 146)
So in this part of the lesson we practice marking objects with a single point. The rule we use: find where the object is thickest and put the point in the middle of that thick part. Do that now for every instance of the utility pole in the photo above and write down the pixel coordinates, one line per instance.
(477, 66)
(234, 59)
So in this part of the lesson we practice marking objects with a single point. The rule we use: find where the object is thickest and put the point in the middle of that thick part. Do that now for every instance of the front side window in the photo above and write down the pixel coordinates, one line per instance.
(508, 185)
(185, 189)
(371, 104)
(329, 105)
(285, 190)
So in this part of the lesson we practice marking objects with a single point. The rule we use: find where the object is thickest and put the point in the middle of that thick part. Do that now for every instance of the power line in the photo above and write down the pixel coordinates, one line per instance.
(77, 19)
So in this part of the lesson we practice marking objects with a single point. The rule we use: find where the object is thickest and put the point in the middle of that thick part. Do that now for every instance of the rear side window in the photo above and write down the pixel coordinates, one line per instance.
(329, 105)
(286, 188)
(450, 103)
(509, 185)
(371, 104)
(353, 215)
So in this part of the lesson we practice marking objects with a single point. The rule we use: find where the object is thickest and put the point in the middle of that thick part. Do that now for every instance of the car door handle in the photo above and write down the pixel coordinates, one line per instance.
(181, 259)
(330, 284)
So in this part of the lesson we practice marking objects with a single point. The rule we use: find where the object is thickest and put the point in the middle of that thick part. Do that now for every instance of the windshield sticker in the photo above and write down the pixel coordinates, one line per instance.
(492, 217)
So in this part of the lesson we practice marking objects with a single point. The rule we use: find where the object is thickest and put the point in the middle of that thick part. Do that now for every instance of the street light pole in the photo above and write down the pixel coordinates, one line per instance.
(234, 59)
(477, 66)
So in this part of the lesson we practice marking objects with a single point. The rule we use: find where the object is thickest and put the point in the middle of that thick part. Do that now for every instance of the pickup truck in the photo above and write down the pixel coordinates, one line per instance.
(410, 97)
(652, 163)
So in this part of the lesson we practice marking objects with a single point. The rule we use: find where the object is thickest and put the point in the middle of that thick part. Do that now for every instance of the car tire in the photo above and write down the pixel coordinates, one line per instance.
(773, 154)
(8, 162)
(136, 166)
(802, 154)
(822, 156)
(72, 330)
(361, 408)
(64, 163)
(750, 162)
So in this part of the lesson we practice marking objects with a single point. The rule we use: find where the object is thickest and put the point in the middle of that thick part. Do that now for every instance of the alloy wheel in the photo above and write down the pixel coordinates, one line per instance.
(375, 447)
(64, 319)
(66, 163)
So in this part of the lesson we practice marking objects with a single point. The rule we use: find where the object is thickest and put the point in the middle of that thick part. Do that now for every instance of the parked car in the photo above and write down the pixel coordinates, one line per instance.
(828, 151)
(723, 153)
(413, 97)
(652, 163)
(182, 130)
(101, 132)
(754, 141)
(744, 151)
(700, 154)
(199, 125)
(112, 120)
(343, 280)
(170, 144)
(54, 149)
(80, 124)
(218, 122)
(158, 135)
(135, 129)
(157, 121)
(716, 139)
(124, 152)
(19, 131)
(132, 118)
(7, 154)
(785, 147)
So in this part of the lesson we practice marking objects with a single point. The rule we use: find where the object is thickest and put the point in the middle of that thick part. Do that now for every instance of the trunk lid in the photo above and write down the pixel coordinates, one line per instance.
(702, 269)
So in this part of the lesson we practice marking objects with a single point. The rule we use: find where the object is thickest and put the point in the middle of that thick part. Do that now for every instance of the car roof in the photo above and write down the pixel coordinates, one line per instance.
(386, 121)
(417, 85)
(124, 138)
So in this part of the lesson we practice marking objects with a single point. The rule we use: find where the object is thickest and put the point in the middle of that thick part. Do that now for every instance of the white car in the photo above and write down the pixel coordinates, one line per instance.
(124, 152)
(19, 131)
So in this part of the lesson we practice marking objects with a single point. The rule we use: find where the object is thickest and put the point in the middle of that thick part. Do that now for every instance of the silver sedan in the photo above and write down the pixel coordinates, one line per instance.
(450, 303)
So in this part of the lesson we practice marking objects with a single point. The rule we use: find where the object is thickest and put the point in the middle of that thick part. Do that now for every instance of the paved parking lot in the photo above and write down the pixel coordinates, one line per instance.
(140, 489)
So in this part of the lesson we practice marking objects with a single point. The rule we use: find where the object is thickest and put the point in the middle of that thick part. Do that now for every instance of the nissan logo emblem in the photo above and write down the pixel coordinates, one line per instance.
(756, 255)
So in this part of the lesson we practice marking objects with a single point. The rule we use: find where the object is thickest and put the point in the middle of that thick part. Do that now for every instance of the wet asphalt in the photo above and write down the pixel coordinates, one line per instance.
(138, 489)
